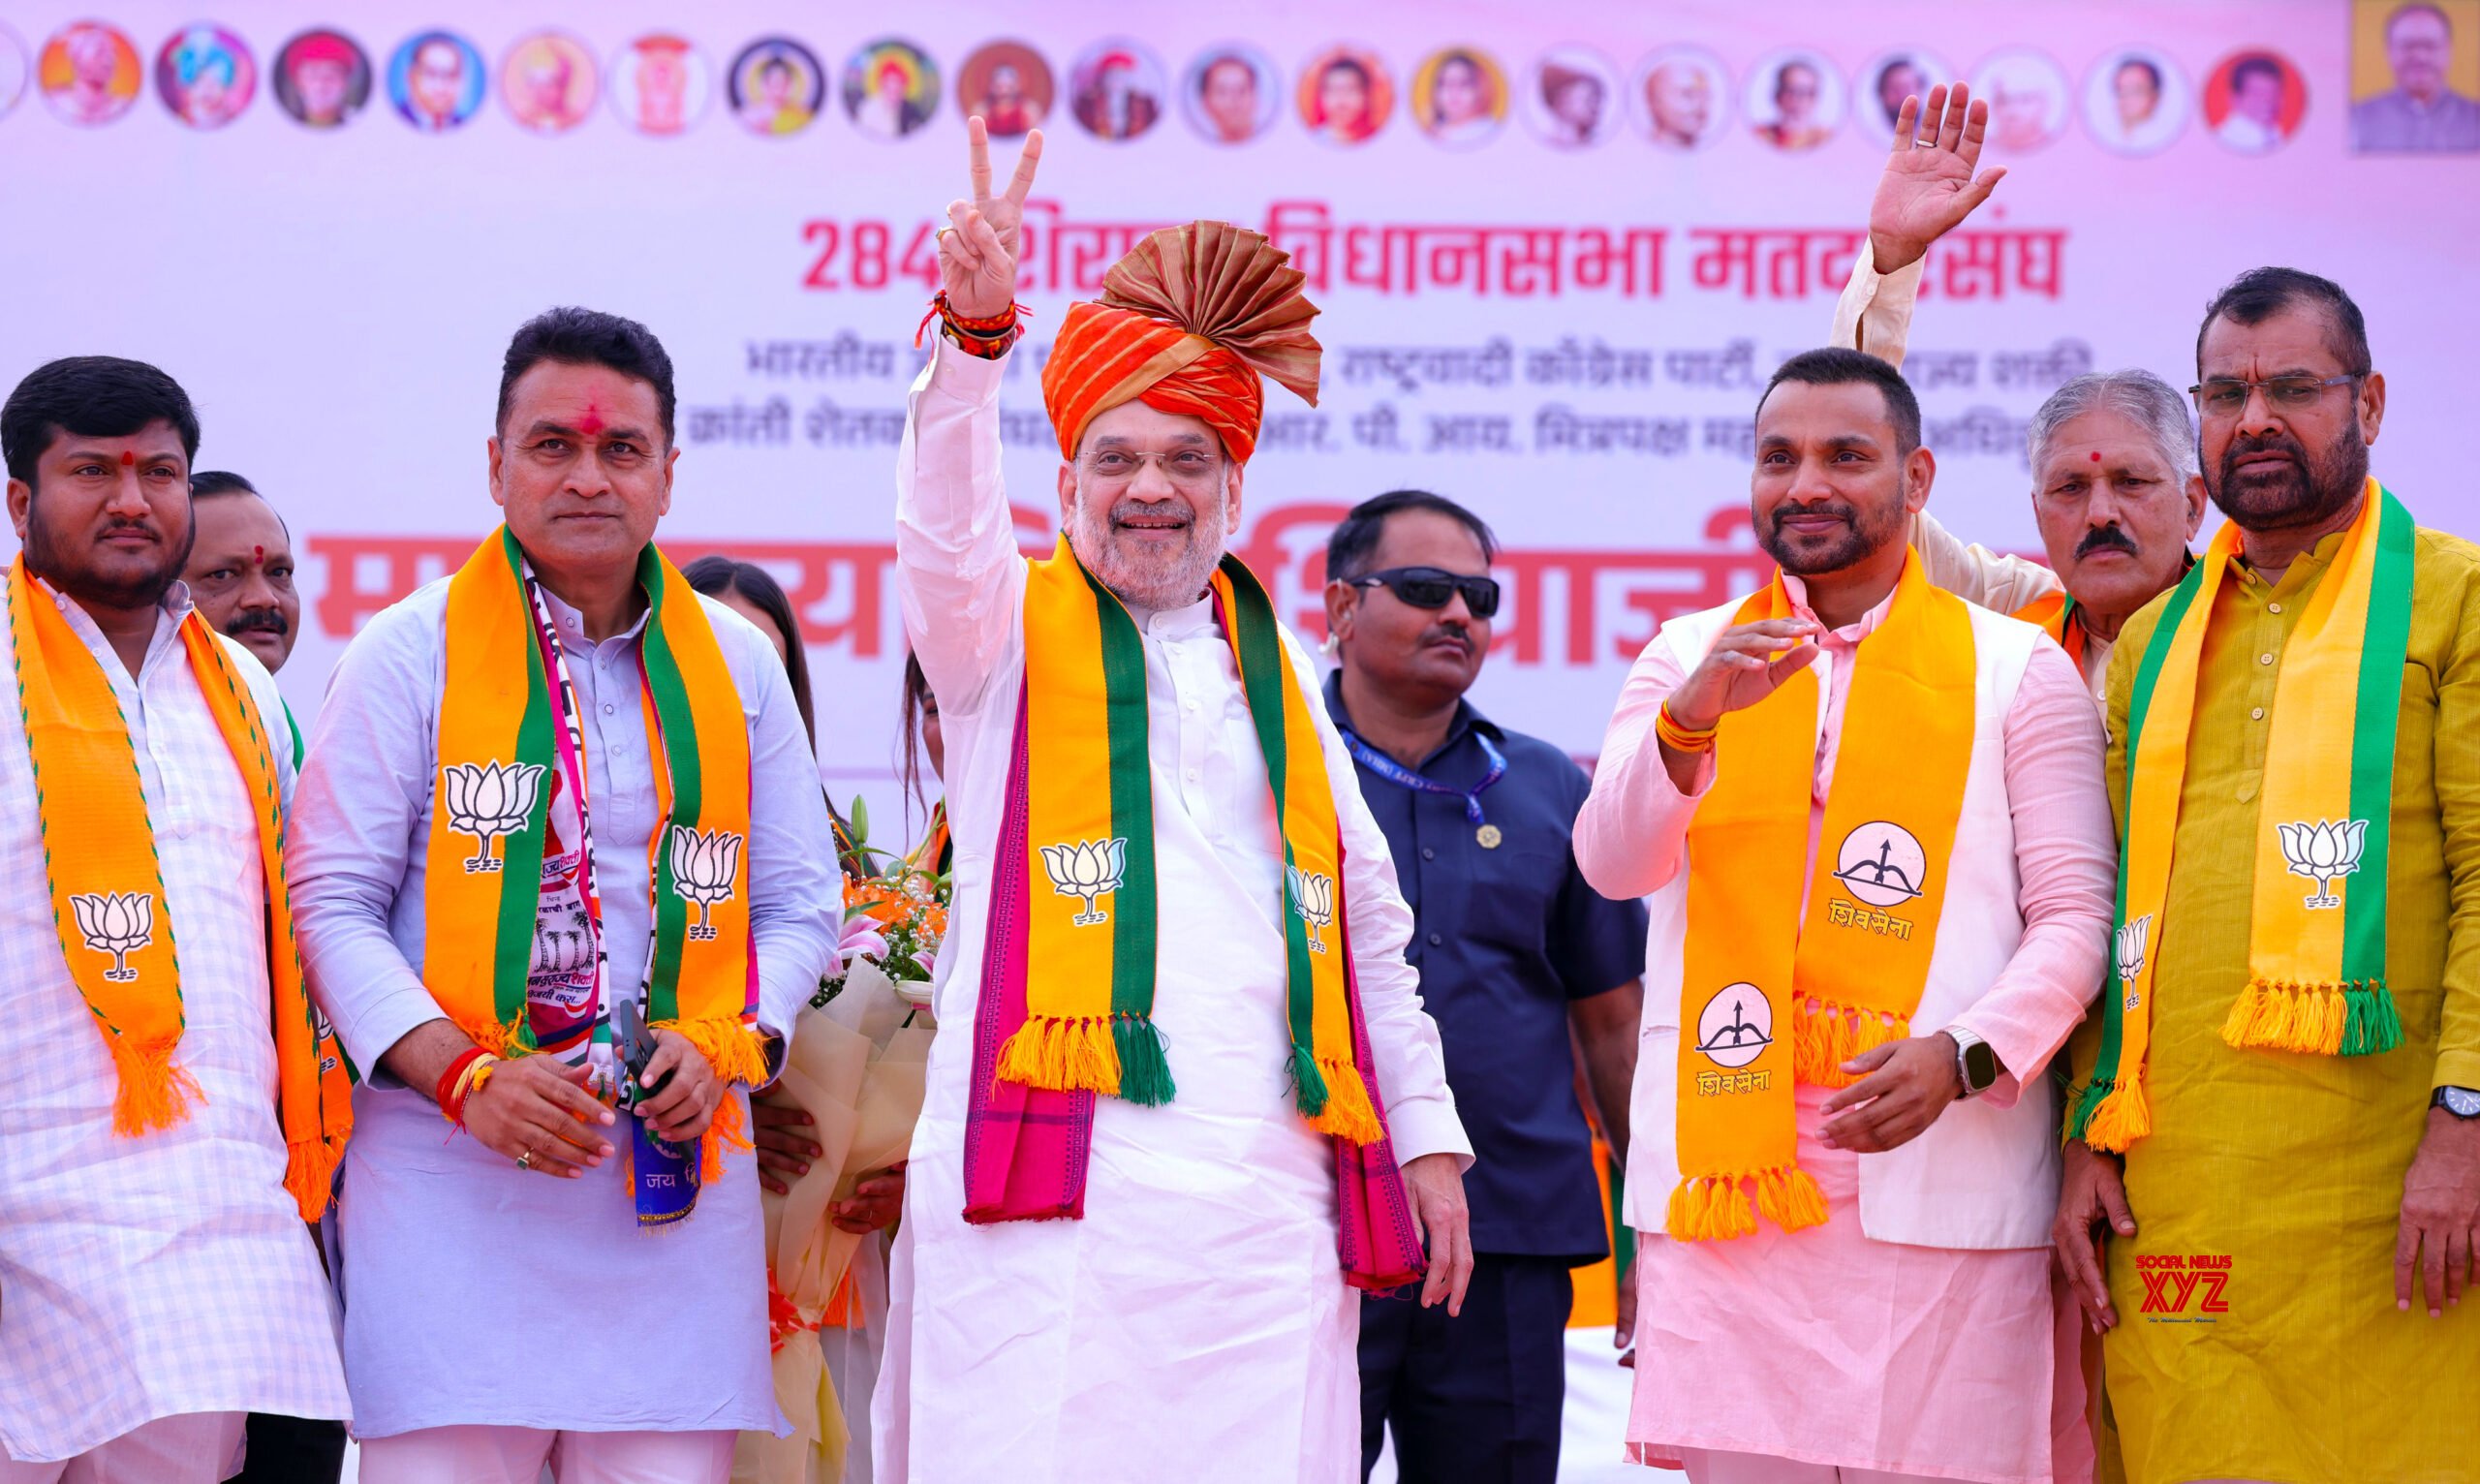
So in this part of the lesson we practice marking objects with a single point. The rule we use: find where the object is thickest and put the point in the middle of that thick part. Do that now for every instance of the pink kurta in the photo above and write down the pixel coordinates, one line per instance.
(1824, 1345)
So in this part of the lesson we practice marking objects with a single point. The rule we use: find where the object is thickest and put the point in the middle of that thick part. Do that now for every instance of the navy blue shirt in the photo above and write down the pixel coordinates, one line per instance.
(1505, 940)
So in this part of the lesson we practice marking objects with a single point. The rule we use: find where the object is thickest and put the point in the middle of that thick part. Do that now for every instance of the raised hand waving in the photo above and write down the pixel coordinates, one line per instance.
(1928, 187)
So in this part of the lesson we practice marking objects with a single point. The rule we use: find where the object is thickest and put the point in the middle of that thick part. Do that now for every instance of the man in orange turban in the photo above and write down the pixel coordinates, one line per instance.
(1184, 1100)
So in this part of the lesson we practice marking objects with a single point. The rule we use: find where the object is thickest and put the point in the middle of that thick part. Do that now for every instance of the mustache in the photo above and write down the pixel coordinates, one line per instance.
(1840, 511)
(1126, 510)
(257, 621)
(143, 527)
(2104, 539)
(1461, 635)
(2243, 444)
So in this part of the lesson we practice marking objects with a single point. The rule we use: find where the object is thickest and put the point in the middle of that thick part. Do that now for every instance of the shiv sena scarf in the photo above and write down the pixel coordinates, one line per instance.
(1068, 973)
(2316, 925)
(509, 740)
(1848, 978)
(108, 898)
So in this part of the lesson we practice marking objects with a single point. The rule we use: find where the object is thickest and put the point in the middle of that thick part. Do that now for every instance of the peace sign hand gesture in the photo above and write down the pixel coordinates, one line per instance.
(1928, 187)
(978, 251)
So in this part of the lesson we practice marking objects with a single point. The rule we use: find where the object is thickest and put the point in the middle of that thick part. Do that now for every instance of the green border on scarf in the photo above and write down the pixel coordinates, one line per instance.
(521, 853)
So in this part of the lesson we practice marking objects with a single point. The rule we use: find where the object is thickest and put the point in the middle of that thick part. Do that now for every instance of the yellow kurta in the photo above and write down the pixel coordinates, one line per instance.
(2280, 1174)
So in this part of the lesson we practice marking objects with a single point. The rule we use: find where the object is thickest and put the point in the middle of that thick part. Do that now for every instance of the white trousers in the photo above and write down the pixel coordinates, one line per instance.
(193, 1449)
(517, 1455)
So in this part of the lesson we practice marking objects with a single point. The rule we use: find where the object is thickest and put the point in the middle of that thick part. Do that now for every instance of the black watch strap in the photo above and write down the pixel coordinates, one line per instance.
(2459, 1101)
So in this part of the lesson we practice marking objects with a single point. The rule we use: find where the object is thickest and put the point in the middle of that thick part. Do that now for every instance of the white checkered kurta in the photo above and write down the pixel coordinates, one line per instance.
(144, 1277)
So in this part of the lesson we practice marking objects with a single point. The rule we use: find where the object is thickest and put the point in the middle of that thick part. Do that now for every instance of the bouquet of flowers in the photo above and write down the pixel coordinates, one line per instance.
(855, 1067)
(895, 915)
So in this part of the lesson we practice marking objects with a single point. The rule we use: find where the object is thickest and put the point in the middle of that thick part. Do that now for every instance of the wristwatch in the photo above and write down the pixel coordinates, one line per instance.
(2462, 1102)
(1974, 1062)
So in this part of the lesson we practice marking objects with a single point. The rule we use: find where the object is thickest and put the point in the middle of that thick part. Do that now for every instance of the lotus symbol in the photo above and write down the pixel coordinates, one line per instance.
(2325, 851)
(1312, 896)
(2130, 946)
(488, 801)
(2131, 955)
(1090, 869)
(118, 923)
(703, 863)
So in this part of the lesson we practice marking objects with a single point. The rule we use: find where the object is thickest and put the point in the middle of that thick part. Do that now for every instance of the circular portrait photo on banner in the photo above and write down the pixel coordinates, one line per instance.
(775, 87)
(14, 70)
(1459, 96)
(1794, 101)
(205, 76)
(548, 83)
(1682, 98)
(1231, 93)
(2254, 100)
(437, 80)
(890, 88)
(1571, 101)
(1009, 86)
(2029, 99)
(1879, 90)
(89, 73)
(1345, 95)
(321, 78)
(1116, 89)
(2136, 101)
(660, 83)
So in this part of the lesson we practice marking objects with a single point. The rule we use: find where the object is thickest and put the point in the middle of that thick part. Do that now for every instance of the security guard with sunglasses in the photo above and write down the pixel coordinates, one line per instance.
(1513, 948)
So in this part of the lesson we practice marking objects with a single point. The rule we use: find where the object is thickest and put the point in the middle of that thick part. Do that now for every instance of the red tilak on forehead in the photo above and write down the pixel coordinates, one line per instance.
(2096, 455)
(259, 554)
(128, 460)
(592, 422)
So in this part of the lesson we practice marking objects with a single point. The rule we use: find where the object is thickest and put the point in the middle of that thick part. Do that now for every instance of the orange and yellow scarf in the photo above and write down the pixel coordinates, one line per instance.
(1093, 925)
(1848, 978)
(107, 899)
(498, 753)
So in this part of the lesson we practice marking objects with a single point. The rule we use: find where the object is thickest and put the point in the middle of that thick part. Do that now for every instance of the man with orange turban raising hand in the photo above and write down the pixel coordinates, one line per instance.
(1184, 1099)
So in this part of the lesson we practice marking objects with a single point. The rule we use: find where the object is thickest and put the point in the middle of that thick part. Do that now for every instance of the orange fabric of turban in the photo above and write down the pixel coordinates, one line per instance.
(1187, 322)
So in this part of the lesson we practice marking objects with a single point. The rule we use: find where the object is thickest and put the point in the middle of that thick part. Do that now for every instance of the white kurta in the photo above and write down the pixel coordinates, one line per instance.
(1195, 1321)
(149, 1277)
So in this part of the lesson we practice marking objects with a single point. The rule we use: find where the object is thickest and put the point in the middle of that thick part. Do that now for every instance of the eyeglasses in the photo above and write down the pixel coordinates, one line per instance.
(1430, 587)
(2227, 396)
(1185, 467)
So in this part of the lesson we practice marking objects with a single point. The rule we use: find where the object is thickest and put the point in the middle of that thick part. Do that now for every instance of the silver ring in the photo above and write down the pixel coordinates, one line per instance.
(1924, 144)
(525, 1161)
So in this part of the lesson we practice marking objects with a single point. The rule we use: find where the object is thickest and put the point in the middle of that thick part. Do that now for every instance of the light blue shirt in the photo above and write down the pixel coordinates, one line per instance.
(477, 1293)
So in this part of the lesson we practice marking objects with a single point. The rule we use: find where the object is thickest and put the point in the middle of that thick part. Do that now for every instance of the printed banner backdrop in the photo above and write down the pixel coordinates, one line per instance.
(1559, 246)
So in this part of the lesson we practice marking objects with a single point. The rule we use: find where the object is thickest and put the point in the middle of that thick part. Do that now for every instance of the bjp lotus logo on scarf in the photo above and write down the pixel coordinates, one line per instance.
(1312, 896)
(489, 801)
(2130, 946)
(2325, 851)
(703, 864)
(118, 923)
(1090, 869)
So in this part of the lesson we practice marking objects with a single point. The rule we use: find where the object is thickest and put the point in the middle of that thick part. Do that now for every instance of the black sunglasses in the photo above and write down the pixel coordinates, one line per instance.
(1428, 587)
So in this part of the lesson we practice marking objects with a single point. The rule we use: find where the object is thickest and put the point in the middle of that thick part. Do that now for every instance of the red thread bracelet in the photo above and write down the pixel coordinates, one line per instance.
(452, 1089)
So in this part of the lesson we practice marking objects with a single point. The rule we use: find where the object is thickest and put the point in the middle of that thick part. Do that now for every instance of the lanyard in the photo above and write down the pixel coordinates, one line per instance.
(1401, 776)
